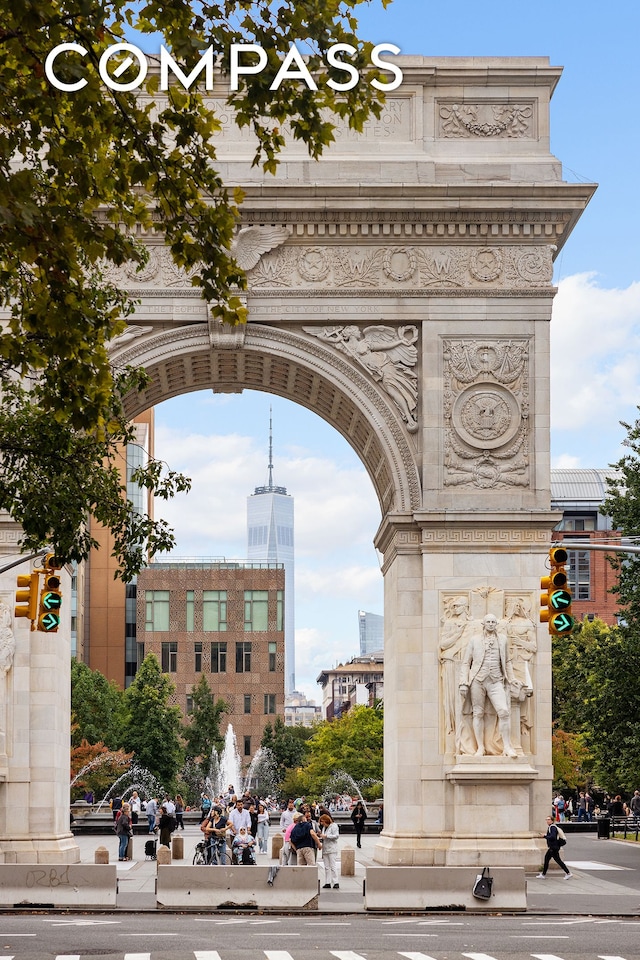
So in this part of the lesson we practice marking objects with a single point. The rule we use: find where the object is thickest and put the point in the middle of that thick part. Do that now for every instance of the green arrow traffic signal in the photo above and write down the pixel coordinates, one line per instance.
(561, 623)
(560, 599)
(51, 601)
(49, 622)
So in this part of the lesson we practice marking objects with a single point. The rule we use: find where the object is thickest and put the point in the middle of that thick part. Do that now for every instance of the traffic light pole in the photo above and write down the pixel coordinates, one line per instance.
(587, 545)
(23, 559)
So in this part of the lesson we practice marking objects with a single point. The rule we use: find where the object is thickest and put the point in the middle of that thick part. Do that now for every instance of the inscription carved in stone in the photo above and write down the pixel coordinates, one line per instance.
(486, 409)
(387, 354)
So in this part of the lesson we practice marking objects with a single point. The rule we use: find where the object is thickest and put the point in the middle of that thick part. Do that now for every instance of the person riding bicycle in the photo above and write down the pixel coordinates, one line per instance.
(215, 829)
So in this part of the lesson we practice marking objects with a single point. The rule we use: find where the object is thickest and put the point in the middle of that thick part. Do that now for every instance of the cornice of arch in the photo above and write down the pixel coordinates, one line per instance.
(293, 365)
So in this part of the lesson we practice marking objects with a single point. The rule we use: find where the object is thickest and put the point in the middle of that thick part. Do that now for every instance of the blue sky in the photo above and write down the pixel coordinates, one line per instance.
(222, 441)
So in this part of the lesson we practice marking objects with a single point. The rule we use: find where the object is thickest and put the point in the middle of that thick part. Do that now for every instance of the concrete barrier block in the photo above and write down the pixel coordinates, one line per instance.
(164, 854)
(348, 862)
(58, 885)
(177, 848)
(444, 888)
(101, 855)
(228, 888)
(277, 842)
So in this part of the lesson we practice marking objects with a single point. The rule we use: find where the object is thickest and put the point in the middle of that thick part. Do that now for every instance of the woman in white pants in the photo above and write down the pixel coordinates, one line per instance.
(263, 828)
(329, 835)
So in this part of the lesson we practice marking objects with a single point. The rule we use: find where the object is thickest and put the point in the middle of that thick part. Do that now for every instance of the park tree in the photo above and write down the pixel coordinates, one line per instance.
(352, 744)
(96, 768)
(152, 725)
(287, 744)
(202, 733)
(80, 172)
(97, 707)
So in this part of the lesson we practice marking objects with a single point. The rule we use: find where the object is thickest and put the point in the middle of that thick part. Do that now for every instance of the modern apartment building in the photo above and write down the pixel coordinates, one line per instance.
(371, 632)
(224, 619)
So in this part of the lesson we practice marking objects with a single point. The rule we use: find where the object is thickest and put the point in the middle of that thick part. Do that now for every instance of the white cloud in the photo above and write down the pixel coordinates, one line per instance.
(595, 354)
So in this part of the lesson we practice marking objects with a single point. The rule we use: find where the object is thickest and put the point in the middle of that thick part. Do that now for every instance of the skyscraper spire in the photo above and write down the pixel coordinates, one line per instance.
(270, 448)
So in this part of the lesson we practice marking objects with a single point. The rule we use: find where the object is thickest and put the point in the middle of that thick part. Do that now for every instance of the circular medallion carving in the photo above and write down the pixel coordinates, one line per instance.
(148, 272)
(531, 266)
(486, 264)
(399, 264)
(313, 264)
(486, 416)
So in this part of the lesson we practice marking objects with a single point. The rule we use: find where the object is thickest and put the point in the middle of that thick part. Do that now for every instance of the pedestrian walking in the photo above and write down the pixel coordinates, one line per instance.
(555, 840)
(358, 816)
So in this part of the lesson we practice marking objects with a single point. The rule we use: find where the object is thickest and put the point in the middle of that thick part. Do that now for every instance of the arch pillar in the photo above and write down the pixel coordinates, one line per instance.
(445, 806)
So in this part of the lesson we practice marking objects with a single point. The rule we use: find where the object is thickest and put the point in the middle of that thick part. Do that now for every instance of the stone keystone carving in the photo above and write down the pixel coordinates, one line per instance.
(387, 354)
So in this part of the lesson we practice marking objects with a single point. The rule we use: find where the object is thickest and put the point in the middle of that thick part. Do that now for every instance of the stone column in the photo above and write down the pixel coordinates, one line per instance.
(34, 797)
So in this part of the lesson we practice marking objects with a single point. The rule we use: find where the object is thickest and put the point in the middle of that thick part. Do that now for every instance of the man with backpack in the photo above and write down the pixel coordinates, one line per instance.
(305, 841)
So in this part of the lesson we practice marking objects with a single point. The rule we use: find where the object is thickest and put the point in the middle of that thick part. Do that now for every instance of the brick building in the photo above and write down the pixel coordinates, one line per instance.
(578, 494)
(223, 619)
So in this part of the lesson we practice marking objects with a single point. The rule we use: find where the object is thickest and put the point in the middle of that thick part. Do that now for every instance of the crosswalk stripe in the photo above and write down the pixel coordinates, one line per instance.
(68, 956)
(277, 955)
(545, 956)
(206, 955)
(478, 956)
(600, 957)
(346, 955)
(417, 956)
(137, 956)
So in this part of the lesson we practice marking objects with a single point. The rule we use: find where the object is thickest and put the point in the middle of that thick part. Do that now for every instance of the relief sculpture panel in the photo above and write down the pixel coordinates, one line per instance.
(486, 413)
(486, 654)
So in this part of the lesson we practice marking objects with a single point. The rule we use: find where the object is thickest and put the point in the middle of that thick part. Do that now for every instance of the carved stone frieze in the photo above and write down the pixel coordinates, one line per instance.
(486, 412)
(387, 354)
(487, 119)
(402, 266)
(357, 267)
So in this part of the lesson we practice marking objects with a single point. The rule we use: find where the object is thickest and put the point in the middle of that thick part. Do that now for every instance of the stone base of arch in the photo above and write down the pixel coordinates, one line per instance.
(46, 850)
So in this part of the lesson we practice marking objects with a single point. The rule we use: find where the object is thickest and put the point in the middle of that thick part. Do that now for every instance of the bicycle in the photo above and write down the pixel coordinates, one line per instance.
(216, 854)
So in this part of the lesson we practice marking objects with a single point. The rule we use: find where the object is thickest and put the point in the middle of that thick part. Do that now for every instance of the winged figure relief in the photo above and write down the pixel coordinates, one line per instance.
(387, 354)
(251, 243)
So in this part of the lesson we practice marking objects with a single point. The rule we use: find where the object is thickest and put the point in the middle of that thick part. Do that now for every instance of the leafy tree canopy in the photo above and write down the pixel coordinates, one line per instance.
(622, 504)
(81, 170)
(287, 744)
(152, 725)
(203, 732)
(353, 744)
(104, 768)
(96, 708)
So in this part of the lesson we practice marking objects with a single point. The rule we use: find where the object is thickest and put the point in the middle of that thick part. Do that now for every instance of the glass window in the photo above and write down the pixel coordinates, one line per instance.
(247, 746)
(256, 610)
(579, 574)
(189, 703)
(273, 648)
(190, 609)
(280, 610)
(219, 657)
(197, 657)
(243, 657)
(247, 703)
(214, 610)
(157, 611)
(170, 657)
(269, 703)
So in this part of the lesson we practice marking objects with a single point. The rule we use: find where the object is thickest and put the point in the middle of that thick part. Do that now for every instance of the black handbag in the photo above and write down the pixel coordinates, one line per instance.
(482, 886)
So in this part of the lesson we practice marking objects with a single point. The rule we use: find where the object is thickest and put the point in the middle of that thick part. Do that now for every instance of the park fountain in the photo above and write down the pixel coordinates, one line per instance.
(99, 761)
(342, 782)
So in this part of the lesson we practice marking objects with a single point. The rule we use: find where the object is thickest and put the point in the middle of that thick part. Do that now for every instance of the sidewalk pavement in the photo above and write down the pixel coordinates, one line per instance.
(606, 886)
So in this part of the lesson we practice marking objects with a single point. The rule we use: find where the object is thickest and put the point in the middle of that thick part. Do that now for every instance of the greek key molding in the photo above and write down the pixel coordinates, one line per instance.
(483, 537)
(486, 412)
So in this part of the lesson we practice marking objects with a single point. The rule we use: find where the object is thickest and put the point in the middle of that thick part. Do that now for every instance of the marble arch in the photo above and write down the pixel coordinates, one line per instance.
(402, 288)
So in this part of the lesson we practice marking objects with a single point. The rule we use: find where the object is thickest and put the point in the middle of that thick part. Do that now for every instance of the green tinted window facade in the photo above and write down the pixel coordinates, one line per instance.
(214, 611)
(256, 610)
(156, 611)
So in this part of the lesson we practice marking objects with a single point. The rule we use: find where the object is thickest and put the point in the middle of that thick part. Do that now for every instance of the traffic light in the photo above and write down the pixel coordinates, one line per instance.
(50, 597)
(555, 601)
(27, 597)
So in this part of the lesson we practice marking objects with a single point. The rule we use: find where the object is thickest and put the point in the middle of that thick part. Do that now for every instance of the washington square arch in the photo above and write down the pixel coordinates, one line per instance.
(401, 288)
